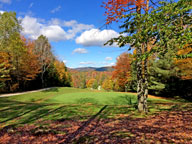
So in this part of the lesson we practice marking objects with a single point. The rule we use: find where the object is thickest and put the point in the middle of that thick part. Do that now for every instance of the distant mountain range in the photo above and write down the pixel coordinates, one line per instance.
(100, 69)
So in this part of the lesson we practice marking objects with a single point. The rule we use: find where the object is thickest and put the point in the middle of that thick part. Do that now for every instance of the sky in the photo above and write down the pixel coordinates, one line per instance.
(76, 29)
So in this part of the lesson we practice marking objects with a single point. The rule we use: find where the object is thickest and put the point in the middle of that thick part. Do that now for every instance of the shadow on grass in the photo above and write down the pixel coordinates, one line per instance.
(55, 89)
(15, 112)
(87, 100)
(70, 138)
(124, 100)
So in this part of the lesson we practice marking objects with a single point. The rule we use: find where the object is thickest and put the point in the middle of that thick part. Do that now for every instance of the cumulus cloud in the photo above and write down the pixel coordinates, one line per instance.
(80, 51)
(96, 37)
(54, 33)
(54, 30)
(31, 26)
(56, 9)
(6, 1)
(33, 29)
(108, 58)
(74, 26)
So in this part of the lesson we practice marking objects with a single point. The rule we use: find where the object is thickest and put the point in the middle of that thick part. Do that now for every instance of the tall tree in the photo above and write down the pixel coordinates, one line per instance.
(43, 49)
(4, 69)
(9, 28)
(122, 71)
(162, 72)
(164, 24)
(115, 10)
(9, 25)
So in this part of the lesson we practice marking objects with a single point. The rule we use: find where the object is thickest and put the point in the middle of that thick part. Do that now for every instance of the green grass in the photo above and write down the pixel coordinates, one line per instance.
(72, 103)
(80, 96)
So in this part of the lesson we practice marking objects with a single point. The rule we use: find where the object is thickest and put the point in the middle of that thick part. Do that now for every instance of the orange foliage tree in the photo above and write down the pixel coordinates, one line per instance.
(90, 83)
(115, 9)
(62, 74)
(122, 70)
(185, 64)
(4, 68)
(108, 84)
(30, 66)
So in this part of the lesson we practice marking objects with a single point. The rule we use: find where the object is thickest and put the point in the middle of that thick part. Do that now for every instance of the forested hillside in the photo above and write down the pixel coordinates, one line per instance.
(27, 64)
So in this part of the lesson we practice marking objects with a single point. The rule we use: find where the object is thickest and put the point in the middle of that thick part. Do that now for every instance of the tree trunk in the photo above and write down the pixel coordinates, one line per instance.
(42, 76)
(142, 100)
(142, 107)
(145, 71)
(145, 79)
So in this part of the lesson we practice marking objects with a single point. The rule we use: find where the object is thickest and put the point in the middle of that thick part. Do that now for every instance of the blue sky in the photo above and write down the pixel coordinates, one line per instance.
(75, 29)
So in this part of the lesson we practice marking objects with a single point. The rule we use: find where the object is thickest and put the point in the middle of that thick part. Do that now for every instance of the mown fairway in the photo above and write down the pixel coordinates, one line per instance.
(82, 116)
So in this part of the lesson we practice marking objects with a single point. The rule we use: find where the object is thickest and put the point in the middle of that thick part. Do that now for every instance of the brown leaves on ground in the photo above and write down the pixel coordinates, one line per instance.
(165, 127)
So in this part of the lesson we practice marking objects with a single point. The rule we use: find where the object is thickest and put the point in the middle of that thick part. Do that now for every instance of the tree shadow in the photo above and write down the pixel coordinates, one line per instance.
(124, 100)
(55, 89)
(12, 111)
(72, 136)
(87, 101)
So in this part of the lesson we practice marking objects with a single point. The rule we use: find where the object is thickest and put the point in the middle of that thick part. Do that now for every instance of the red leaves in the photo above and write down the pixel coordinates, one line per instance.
(164, 127)
(116, 8)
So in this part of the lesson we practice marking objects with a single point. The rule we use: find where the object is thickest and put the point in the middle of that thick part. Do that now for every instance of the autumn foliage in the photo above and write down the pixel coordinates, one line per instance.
(27, 64)
(122, 70)
(115, 9)
(89, 79)
(185, 63)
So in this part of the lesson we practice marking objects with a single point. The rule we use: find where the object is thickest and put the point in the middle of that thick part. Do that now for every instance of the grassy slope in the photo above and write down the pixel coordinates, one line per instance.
(80, 96)
(70, 103)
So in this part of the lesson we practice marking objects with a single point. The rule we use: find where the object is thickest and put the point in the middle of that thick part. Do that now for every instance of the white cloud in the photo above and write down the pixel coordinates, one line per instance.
(53, 29)
(95, 37)
(108, 58)
(6, 1)
(70, 23)
(56, 9)
(80, 50)
(110, 64)
(87, 63)
(54, 33)
(64, 61)
(1, 12)
(31, 27)
(74, 26)
(107, 63)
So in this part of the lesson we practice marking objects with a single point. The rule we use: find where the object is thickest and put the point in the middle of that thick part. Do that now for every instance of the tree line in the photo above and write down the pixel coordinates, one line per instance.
(27, 64)
(168, 76)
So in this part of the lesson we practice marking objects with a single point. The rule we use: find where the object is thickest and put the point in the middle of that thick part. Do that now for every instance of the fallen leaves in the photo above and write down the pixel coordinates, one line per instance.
(165, 127)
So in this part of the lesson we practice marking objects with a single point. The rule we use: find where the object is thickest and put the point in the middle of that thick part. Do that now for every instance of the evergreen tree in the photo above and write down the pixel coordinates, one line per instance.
(162, 73)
